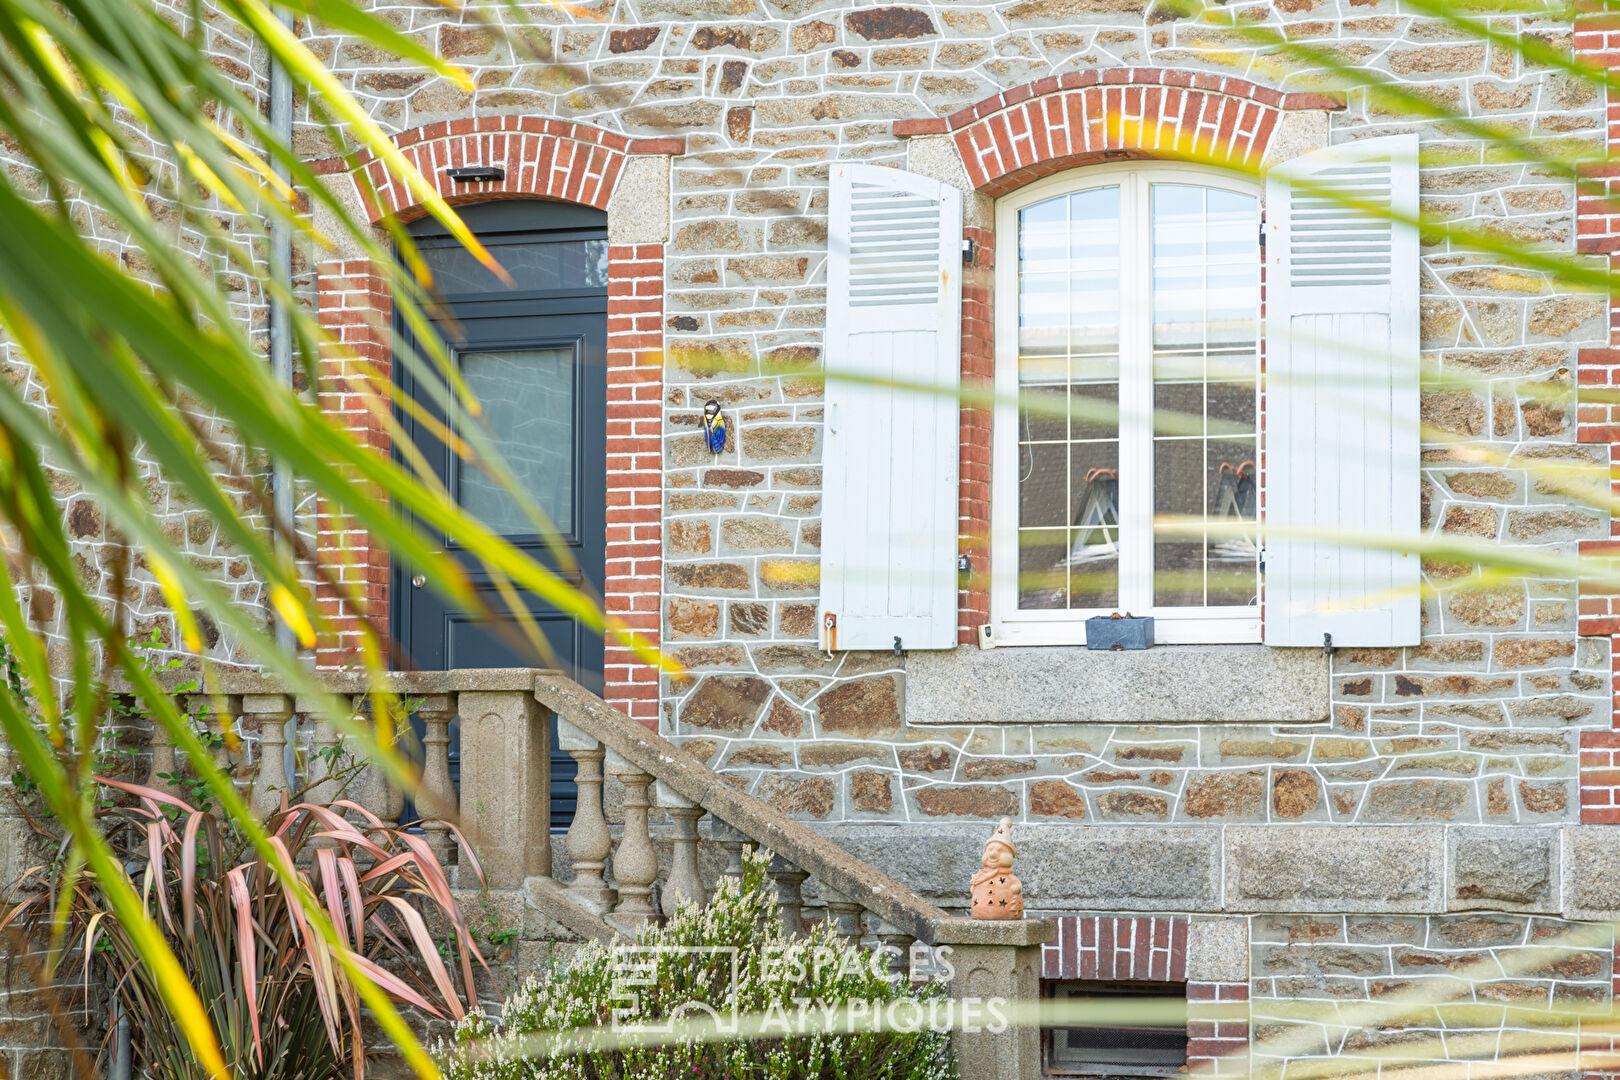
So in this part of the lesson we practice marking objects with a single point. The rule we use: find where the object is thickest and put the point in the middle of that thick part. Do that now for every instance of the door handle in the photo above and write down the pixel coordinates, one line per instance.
(418, 581)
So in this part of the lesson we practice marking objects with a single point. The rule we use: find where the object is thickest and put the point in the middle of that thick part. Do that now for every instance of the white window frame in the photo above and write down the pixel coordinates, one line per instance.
(1172, 626)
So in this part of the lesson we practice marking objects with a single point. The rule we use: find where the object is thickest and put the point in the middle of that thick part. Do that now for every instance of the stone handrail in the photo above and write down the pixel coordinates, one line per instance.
(505, 770)
(758, 820)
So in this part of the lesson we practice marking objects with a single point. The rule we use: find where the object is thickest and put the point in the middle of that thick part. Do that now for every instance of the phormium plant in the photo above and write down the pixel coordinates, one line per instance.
(280, 996)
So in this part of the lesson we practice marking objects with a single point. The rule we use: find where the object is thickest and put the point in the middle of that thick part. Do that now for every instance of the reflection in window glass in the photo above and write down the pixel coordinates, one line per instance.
(534, 267)
(1205, 300)
(1068, 387)
(528, 401)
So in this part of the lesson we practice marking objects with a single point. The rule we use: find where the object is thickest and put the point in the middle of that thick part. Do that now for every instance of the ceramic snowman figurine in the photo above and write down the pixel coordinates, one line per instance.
(997, 894)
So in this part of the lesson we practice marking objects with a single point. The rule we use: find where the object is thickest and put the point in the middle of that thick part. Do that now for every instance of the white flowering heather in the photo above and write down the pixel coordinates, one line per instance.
(731, 957)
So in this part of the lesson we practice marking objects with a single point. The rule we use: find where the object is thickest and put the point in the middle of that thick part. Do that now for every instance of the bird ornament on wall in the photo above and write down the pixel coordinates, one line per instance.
(714, 427)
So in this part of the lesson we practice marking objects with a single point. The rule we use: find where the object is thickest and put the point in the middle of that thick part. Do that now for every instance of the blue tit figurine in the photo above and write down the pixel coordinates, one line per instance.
(714, 427)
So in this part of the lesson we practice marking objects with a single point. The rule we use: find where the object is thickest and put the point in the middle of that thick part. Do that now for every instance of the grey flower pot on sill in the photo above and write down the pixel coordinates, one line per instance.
(1130, 633)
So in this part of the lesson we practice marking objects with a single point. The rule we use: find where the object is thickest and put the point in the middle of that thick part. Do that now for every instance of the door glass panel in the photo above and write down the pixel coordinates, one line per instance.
(534, 267)
(528, 400)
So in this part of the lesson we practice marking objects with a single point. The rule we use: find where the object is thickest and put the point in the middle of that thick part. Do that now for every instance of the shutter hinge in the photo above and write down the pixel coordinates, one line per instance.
(1262, 232)
(970, 250)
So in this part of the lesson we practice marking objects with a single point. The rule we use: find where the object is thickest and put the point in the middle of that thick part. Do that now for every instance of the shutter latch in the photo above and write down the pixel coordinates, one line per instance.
(830, 622)
(898, 651)
(1327, 645)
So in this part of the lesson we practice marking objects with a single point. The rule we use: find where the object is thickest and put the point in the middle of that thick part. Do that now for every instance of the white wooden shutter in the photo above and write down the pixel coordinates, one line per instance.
(889, 460)
(1342, 396)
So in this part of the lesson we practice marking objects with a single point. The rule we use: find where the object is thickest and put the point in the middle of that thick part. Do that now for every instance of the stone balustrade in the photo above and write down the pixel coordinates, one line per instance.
(610, 883)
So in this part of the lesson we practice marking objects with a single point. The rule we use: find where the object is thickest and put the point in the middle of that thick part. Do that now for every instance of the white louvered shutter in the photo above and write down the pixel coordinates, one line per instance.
(889, 462)
(1342, 396)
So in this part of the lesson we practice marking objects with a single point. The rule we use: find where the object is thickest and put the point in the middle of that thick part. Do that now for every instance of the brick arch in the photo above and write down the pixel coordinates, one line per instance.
(1082, 117)
(544, 158)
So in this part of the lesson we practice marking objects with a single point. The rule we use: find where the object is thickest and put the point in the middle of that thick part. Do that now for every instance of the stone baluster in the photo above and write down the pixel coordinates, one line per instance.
(683, 885)
(789, 894)
(589, 842)
(731, 841)
(271, 713)
(210, 720)
(372, 788)
(897, 939)
(221, 730)
(323, 758)
(219, 725)
(847, 917)
(436, 803)
(635, 862)
(160, 775)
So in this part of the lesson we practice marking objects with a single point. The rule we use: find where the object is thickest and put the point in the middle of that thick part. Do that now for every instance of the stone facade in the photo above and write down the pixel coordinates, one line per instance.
(1479, 724)
(94, 543)
(1330, 829)
(1219, 783)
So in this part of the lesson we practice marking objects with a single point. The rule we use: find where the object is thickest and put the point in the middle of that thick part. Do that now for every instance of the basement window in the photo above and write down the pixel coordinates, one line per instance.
(1155, 1046)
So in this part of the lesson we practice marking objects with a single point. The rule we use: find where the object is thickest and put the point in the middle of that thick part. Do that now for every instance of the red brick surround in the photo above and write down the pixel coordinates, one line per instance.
(553, 159)
(1597, 227)
(356, 310)
(978, 374)
(546, 159)
(1150, 948)
(1600, 778)
(1078, 118)
(1153, 948)
(635, 480)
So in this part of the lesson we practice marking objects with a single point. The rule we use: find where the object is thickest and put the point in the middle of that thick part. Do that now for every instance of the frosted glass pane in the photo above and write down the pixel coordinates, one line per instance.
(528, 400)
(547, 267)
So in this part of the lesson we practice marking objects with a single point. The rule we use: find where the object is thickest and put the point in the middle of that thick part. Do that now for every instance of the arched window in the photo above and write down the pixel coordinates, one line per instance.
(1127, 331)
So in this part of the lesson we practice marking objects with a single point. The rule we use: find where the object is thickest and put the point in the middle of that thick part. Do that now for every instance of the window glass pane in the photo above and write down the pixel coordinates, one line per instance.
(1232, 480)
(528, 400)
(536, 267)
(1206, 300)
(1043, 241)
(1178, 491)
(1068, 376)
(1093, 555)
(1043, 315)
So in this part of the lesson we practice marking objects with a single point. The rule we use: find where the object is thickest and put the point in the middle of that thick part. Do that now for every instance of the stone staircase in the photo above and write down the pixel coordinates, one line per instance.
(616, 869)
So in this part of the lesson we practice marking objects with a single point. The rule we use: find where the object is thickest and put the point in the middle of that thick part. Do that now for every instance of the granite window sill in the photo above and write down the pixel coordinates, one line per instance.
(1170, 684)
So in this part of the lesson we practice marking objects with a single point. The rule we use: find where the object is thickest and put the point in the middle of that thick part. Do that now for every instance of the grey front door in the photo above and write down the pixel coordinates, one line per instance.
(535, 357)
